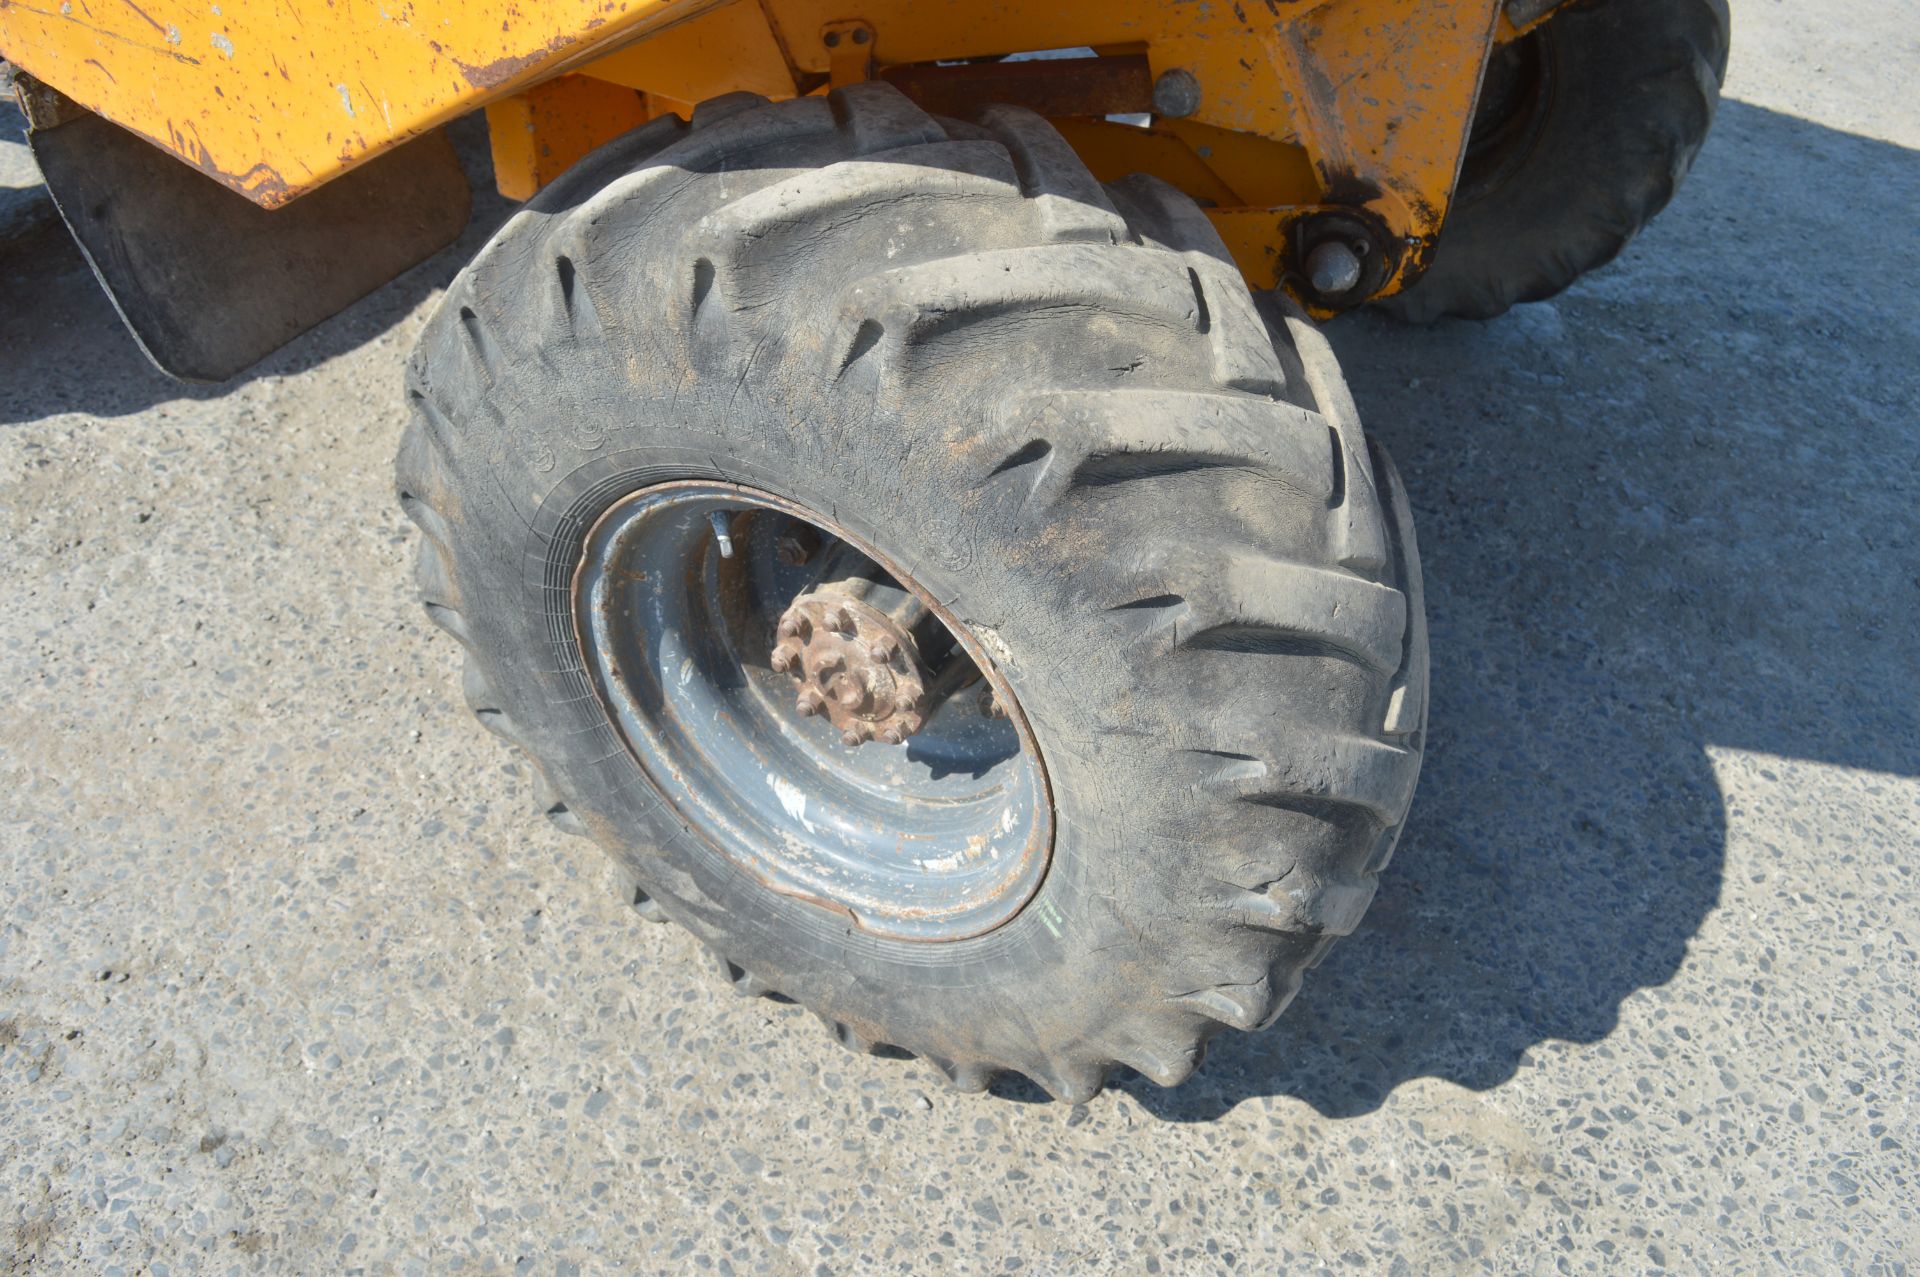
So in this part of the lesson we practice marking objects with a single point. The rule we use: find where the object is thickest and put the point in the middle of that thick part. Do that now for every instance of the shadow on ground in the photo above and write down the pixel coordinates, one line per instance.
(1666, 513)
(63, 348)
(1663, 513)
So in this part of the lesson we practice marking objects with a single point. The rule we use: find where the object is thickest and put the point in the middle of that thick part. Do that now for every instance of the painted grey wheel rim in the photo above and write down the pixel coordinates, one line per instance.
(943, 837)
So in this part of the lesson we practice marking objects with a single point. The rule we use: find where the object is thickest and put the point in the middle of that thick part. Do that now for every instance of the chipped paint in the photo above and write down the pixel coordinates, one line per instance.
(271, 113)
(505, 70)
(1376, 93)
(793, 800)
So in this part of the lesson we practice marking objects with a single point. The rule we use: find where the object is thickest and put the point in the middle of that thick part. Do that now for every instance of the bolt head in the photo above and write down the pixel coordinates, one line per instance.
(790, 551)
(1333, 268)
(1176, 94)
(882, 649)
(839, 619)
(892, 736)
(789, 627)
(852, 736)
(811, 702)
(783, 658)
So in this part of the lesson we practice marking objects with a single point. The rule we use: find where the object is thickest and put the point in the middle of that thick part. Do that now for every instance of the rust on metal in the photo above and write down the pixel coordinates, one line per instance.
(1363, 106)
(512, 67)
(852, 663)
(1027, 866)
(1117, 85)
(795, 549)
(44, 106)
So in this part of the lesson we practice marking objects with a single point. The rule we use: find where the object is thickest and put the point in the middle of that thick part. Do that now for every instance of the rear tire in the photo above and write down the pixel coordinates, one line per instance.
(1587, 126)
(1057, 406)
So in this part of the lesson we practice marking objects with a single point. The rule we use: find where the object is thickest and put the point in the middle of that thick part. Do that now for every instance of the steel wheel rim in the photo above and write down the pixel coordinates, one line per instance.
(944, 837)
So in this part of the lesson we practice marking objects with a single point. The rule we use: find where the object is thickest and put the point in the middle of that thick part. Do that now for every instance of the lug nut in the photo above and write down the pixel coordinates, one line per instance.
(850, 667)
(1333, 268)
(790, 551)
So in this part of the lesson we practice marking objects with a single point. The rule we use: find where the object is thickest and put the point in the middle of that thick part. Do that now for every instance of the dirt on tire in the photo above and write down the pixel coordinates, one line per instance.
(1057, 406)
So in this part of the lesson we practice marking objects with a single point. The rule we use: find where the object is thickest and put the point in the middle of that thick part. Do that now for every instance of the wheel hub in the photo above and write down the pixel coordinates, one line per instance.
(853, 664)
(744, 647)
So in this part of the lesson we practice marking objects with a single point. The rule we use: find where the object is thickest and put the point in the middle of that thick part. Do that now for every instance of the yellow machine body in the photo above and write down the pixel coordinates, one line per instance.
(1267, 111)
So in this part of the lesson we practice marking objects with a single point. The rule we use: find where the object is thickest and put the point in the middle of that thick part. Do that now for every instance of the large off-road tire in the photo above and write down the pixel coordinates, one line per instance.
(1052, 404)
(1586, 127)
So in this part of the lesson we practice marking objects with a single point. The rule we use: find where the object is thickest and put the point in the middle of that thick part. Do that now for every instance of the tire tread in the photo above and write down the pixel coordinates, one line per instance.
(1255, 523)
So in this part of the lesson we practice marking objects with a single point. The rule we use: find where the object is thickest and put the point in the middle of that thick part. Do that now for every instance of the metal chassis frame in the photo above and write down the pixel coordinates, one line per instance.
(1292, 121)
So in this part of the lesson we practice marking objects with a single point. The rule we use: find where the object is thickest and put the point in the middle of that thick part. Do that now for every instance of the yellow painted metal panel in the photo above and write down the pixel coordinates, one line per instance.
(541, 132)
(729, 50)
(1262, 172)
(1112, 151)
(1361, 104)
(273, 99)
(1382, 93)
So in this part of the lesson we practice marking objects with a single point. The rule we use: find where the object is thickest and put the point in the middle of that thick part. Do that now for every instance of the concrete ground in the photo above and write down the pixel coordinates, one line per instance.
(292, 980)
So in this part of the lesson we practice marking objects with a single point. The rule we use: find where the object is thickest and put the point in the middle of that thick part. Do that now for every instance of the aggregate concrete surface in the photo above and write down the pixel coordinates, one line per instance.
(292, 980)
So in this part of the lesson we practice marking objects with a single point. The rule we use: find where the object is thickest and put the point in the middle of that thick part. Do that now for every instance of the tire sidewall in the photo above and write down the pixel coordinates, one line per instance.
(1109, 795)
(1624, 112)
(1065, 422)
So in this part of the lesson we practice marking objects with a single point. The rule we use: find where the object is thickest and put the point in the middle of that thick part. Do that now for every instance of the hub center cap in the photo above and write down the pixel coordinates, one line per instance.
(854, 665)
